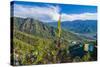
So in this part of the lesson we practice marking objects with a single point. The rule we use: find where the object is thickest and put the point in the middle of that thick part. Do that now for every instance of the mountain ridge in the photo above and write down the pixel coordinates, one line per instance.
(38, 28)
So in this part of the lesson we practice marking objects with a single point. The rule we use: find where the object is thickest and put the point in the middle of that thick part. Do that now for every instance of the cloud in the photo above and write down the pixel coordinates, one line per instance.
(83, 16)
(49, 13)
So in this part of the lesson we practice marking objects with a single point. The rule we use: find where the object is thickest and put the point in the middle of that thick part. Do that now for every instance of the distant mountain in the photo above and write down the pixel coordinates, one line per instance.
(32, 26)
(86, 28)
(79, 26)
(41, 29)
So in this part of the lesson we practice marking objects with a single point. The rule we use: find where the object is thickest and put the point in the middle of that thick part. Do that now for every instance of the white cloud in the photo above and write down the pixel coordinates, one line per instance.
(49, 13)
(83, 16)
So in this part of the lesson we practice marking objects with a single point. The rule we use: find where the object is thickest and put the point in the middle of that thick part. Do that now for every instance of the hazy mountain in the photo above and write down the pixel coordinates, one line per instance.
(38, 28)
(86, 28)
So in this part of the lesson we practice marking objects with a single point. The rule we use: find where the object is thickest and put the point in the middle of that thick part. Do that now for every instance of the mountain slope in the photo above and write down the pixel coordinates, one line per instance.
(35, 42)
(86, 28)
(37, 28)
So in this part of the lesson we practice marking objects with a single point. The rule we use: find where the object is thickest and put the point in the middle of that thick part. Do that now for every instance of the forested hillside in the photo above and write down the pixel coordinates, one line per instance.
(34, 42)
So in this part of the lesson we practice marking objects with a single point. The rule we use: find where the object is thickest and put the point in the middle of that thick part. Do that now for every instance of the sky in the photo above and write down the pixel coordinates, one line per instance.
(50, 12)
